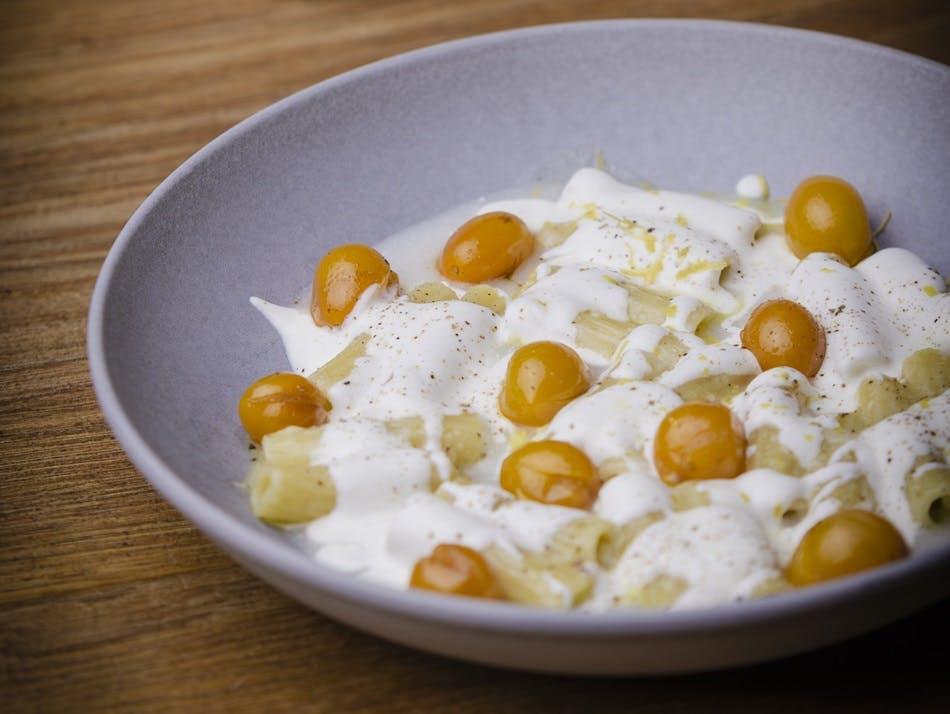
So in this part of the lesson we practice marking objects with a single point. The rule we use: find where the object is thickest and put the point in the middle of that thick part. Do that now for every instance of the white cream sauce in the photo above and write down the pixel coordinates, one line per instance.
(720, 551)
(433, 359)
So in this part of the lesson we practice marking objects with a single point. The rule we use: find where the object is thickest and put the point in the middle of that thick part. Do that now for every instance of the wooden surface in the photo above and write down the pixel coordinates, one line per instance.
(111, 601)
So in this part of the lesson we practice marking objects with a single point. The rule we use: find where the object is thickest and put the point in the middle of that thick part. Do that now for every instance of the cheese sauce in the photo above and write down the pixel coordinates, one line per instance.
(711, 263)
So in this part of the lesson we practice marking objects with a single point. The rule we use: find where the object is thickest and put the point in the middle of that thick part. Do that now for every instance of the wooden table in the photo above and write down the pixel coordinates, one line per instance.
(109, 599)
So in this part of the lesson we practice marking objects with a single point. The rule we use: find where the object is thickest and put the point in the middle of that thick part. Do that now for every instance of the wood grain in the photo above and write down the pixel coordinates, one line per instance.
(111, 601)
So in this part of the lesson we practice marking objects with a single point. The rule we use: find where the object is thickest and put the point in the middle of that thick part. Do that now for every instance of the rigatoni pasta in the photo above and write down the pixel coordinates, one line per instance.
(832, 402)
(928, 494)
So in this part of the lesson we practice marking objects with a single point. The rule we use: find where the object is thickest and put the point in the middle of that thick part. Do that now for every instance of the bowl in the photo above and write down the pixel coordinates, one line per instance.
(692, 105)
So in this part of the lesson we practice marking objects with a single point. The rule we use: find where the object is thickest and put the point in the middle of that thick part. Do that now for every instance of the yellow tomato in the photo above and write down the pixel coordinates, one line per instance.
(781, 333)
(551, 472)
(342, 276)
(542, 378)
(844, 543)
(827, 215)
(455, 570)
(697, 441)
(281, 400)
(486, 247)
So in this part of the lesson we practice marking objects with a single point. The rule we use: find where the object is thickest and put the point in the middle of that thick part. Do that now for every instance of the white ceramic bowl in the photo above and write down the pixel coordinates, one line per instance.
(691, 105)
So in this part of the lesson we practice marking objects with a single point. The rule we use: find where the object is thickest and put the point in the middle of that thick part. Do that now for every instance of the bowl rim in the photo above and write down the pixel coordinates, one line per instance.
(236, 536)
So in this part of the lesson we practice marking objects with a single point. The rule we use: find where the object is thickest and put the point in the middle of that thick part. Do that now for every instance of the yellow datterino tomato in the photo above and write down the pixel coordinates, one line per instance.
(542, 377)
(551, 472)
(844, 543)
(698, 441)
(342, 276)
(826, 214)
(281, 400)
(456, 570)
(486, 247)
(781, 333)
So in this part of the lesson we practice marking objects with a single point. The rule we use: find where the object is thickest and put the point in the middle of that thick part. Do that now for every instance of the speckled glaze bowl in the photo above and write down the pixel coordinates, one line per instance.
(690, 104)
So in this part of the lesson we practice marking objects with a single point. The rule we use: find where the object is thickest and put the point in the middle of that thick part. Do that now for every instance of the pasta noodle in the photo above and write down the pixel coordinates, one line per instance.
(613, 545)
(926, 373)
(291, 446)
(854, 493)
(486, 296)
(562, 575)
(552, 235)
(767, 452)
(462, 439)
(689, 494)
(658, 594)
(432, 292)
(713, 388)
(287, 495)
(928, 494)
(337, 369)
(529, 583)
(667, 353)
(600, 333)
(645, 307)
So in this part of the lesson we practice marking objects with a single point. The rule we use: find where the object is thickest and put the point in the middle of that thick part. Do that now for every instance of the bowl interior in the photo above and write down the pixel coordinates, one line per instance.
(690, 105)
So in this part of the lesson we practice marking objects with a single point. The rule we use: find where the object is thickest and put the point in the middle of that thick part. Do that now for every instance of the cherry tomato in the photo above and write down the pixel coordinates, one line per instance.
(826, 215)
(455, 570)
(551, 472)
(781, 333)
(845, 543)
(697, 441)
(281, 400)
(488, 246)
(542, 378)
(342, 277)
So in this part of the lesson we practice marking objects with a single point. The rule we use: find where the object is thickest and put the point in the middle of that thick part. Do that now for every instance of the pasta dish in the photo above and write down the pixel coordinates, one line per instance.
(616, 397)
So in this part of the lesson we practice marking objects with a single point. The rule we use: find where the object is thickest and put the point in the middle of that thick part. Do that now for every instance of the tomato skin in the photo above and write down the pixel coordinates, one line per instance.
(782, 333)
(456, 570)
(845, 543)
(551, 472)
(486, 247)
(341, 277)
(280, 400)
(826, 214)
(541, 379)
(698, 441)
